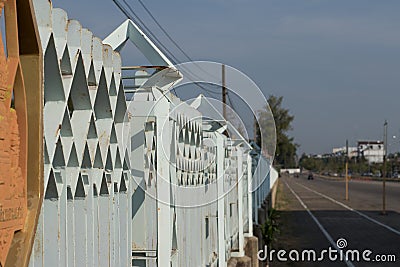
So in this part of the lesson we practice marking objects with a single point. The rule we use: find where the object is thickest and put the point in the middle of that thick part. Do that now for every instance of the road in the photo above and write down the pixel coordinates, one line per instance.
(315, 215)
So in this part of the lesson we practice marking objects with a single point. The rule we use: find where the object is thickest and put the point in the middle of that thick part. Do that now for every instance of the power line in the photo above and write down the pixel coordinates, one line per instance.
(148, 31)
(170, 38)
(173, 41)
(136, 19)
(182, 51)
(205, 89)
(164, 31)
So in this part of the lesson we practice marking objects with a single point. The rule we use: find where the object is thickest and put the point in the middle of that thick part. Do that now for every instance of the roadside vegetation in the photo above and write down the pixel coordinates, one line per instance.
(286, 148)
(271, 227)
(335, 166)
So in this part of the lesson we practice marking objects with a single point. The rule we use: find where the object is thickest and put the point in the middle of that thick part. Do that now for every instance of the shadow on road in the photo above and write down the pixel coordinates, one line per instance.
(299, 231)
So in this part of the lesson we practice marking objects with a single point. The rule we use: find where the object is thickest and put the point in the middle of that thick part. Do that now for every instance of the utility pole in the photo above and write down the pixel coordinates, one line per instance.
(385, 126)
(347, 169)
(223, 92)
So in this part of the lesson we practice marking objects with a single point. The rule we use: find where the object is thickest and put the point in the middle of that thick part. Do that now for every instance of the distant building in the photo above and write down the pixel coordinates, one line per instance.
(353, 151)
(373, 151)
(291, 171)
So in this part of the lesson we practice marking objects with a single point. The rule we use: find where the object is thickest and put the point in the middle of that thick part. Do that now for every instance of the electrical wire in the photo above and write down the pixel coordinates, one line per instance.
(164, 31)
(170, 38)
(205, 89)
(136, 19)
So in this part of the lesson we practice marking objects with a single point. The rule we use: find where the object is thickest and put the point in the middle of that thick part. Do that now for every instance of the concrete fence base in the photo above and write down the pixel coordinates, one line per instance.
(240, 262)
(263, 212)
(250, 259)
(251, 250)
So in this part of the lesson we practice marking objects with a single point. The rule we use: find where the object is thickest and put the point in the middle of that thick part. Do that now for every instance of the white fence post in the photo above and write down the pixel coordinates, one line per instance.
(239, 175)
(221, 201)
(164, 245)
(250, 194)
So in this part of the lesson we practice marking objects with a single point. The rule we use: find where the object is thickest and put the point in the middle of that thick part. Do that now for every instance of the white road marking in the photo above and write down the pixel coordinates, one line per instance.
(323, 230)
(351, 209)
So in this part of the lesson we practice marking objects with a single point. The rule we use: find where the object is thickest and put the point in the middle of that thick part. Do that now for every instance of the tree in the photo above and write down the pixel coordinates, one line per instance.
(285, 151)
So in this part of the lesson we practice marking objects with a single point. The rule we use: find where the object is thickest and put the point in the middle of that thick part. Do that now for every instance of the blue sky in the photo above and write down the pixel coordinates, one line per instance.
(335, 62)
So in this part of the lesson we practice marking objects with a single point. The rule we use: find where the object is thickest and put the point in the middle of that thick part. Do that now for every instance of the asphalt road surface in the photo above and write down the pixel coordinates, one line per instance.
(314, 215)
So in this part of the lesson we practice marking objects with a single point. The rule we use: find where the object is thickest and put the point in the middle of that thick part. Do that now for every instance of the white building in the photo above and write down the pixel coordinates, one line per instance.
(290, 171)
(352, 151)
(373, 151)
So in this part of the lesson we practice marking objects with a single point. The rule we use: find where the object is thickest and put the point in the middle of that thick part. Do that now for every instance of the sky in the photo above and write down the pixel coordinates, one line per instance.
(335, 62)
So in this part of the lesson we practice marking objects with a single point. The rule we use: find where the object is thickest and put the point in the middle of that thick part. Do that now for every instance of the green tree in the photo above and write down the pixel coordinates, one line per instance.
(285, 151)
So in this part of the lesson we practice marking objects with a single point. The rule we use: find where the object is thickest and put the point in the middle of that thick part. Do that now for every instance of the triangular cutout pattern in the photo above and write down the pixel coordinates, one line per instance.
(53, 86)
(91, 76)
(59, 161)
(92, 134)
(86, 162)
(65, 64)
(73, 158)
(193, 138)
(113, 88)
(51, 189)
(126, 163)
(187, 135)
(102, 106)
(79, 95)
(104, 188)
(98, 162)
(109, 165)
(113, 137)
(122, 186)
(121, 108)
(66, 129)
(118, 163)
(80, 189)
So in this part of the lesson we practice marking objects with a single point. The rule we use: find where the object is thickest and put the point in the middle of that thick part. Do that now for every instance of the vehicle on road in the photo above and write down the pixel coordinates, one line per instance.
(367, 174)
(310, 176)
(377, 174)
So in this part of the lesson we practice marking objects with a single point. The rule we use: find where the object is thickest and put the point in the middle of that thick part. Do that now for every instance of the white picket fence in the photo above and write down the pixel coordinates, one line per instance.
(135, 177)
